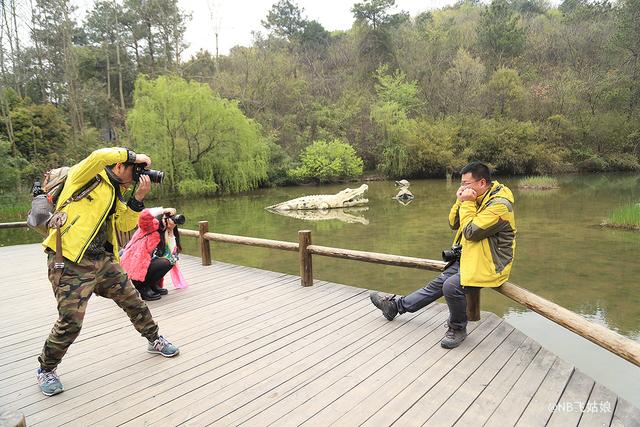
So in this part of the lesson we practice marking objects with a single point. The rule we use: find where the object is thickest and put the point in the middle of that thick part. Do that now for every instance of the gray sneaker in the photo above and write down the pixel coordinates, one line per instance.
(453, 337)
(49, 382)
(386, 304)
(163, 347)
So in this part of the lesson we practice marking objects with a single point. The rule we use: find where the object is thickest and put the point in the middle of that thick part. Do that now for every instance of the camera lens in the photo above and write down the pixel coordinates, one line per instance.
(179, 219)
(154, 175)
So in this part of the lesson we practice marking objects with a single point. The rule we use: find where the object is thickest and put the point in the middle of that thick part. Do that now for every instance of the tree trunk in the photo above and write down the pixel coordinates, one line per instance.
(120, 89)
(6, 115)
(150, 43)
(10, 39)
(108, 72)
(18, 65)
(34, 37)
(70, 71)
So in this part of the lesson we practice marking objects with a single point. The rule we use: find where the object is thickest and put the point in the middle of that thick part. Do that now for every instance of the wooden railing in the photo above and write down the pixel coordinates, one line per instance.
(598, 334)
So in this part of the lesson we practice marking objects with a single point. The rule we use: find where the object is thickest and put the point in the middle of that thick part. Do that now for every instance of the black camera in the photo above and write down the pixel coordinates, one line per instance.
(140, 169)
(36, 190)
(178, 219)
(452, 254)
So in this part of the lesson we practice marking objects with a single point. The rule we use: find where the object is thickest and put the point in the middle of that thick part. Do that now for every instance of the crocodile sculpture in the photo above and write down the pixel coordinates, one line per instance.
(346, 198)
(403, 194)
(349, 215)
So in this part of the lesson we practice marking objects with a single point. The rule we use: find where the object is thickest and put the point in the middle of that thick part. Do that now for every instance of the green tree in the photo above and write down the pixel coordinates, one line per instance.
(504, 92)
(375, 13)
(12, 169)
(628, 38)
(374, 20)
(464, 80)
(500, 35)
(285, 20)
(42, 135)
(328, 162)
(55, 30)
(394, 88)
(204, 142)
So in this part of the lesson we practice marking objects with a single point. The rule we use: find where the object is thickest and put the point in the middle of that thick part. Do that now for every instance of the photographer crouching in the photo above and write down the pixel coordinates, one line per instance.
(481, 255)
(153, 252)
(83, 255)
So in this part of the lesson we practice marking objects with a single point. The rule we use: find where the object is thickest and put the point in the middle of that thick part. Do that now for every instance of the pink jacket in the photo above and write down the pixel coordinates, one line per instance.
(137, 254)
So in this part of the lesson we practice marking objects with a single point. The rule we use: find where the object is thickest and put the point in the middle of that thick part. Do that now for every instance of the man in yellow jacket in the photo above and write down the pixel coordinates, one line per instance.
(481, 256)
(90, 250)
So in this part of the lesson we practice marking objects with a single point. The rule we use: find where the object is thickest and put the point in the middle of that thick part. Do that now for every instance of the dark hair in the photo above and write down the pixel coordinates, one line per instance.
(162, 226)
(478, 170)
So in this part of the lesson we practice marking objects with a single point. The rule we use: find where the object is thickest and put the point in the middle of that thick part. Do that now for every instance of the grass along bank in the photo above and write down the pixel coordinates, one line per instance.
(627, 218)
(538, 183)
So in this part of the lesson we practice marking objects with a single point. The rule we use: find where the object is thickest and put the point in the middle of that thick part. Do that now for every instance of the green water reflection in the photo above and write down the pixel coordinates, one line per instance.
(562, 254)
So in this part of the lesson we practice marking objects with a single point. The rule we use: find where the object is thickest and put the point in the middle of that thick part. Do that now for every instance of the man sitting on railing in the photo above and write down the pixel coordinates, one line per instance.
(83, 255)
(481, 256)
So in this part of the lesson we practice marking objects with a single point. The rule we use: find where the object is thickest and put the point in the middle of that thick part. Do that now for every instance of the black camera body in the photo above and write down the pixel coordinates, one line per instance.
(178, 219)
(139, 169)
(452, 254)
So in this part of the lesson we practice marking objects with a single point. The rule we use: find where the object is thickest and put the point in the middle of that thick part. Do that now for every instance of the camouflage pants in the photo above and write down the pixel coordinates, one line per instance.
(102, 277)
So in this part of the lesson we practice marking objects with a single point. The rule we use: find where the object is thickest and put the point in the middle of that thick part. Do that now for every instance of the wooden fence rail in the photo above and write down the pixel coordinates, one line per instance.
(598, 334)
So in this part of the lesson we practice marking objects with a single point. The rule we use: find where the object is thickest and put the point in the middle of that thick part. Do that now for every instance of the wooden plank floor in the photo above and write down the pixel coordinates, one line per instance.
(259, 349)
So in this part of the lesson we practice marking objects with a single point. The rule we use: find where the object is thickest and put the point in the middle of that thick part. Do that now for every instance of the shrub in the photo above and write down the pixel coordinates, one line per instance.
(197, 187)
(328, 162)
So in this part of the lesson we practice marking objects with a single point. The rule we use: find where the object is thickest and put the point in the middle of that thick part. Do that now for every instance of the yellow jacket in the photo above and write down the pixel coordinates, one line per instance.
(487, 230)
(86, 216)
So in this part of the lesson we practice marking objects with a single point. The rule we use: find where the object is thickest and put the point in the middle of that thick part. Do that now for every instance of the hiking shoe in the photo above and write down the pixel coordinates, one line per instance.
(49, 382)
(386, 304)
(163, 347)
(453, 337)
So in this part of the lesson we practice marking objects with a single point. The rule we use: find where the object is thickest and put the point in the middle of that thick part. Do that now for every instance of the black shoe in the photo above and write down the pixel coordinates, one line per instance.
(158, 290)
(148, 295)
(453, 337)
(386, 304)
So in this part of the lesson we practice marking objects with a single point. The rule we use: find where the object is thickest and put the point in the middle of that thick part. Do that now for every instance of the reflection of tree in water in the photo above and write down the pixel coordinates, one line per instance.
(537, 193)
(602, 182)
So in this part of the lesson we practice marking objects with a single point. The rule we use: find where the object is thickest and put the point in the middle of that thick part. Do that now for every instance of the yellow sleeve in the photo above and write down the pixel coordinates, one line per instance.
(480, 225)
(84, 171)
(454, 216)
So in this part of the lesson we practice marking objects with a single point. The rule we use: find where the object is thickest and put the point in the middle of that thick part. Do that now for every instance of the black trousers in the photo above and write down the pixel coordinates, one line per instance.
(158, 268)
(447, 284)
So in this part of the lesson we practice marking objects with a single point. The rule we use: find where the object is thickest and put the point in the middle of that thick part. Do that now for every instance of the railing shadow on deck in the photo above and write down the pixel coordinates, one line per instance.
(598, 334)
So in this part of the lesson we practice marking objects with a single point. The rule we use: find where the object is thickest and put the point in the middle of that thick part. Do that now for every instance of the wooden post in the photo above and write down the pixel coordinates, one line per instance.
(306, 268)
(205, 250)
(473, 303)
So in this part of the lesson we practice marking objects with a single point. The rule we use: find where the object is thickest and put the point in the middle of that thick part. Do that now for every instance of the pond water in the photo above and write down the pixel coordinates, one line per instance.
(562, 253)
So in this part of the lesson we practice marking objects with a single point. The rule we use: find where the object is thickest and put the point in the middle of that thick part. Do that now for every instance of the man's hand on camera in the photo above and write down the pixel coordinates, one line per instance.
(143, 158)
(468, 194)
(144, 186)
(170, 211)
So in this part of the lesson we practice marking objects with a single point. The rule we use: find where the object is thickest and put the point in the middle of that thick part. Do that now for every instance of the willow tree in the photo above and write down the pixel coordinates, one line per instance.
(204, 143)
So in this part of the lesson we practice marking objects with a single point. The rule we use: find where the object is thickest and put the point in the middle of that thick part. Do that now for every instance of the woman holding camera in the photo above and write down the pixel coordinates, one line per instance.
(153, 251)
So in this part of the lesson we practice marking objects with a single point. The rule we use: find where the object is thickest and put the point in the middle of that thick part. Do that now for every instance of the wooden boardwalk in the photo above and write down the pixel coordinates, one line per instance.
(259, 349)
